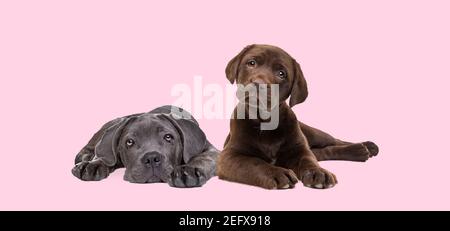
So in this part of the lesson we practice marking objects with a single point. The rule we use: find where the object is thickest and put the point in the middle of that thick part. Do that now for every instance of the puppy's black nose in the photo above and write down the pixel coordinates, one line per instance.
(152, 159)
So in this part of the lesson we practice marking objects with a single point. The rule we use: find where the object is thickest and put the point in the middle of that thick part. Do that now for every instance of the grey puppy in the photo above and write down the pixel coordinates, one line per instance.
(158, 146)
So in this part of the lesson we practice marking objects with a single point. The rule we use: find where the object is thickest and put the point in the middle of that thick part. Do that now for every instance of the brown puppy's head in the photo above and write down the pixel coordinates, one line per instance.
(266, 64)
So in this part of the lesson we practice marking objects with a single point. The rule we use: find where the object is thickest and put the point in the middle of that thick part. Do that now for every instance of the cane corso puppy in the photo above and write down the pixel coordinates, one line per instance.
(163, 145)
(278, 158)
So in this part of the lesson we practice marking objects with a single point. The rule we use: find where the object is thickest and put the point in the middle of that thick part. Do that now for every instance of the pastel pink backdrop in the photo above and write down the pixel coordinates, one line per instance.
(377, 70)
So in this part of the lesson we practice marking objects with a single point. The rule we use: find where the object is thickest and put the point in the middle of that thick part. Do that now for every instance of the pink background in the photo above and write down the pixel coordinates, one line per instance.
(377, 70)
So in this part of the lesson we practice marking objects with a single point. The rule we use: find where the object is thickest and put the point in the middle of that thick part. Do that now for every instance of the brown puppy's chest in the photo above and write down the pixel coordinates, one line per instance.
(269, 145)
(246, 136)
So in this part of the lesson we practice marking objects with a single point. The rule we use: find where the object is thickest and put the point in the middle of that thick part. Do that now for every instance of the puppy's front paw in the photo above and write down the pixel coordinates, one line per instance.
(279, 178)
(90, 170)
(318, 178)
(186, 176)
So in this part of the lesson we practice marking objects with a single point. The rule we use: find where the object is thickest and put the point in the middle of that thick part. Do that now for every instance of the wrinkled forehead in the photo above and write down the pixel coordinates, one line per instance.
(268, 53)
(148, 124)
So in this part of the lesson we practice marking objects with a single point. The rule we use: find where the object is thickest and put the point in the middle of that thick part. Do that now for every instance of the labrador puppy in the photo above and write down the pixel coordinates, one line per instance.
(163, 145)
(278, 158)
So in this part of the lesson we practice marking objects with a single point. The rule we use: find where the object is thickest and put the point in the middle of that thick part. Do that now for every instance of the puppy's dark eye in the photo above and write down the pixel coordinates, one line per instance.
(251, 63)
(168, 137)
(129, 142)
(282, 74)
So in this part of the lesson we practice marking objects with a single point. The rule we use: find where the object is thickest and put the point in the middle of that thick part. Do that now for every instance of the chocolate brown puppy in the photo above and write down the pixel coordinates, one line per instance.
(278, 158)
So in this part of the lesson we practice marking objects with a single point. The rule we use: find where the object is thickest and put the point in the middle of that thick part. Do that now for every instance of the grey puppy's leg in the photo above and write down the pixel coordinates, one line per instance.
(88, 169)
(197, 171)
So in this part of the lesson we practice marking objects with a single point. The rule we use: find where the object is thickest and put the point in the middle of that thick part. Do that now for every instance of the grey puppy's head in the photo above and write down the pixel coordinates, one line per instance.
(150, 145)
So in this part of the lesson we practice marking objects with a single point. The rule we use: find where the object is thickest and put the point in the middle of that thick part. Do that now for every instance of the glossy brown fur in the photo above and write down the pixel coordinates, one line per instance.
(280, 158)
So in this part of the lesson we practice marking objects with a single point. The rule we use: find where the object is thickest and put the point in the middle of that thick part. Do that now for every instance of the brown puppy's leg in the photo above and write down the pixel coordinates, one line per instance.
(306, 167)
(319, 139)
(326, 147)
(250, 170)
(352, 152)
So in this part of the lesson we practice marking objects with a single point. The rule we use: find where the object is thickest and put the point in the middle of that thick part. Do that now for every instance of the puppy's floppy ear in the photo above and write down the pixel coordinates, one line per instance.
(106, 148)
(299, 90)
(192, 137)
(232, 68)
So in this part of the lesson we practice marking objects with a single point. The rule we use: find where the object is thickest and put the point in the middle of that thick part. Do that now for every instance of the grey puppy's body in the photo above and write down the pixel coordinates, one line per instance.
(158, 146)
